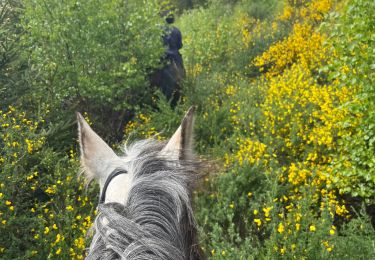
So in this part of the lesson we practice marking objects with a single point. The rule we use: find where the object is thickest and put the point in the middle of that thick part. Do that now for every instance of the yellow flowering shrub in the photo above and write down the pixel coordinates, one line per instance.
(17, 136)
(250, 151)
(310, 11)
(285, 129)
(303, 46)
(303, 114)
(136, 126)
(39, 194)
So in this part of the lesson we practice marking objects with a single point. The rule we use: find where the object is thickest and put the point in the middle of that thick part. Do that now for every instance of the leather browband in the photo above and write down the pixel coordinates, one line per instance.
(109, 179)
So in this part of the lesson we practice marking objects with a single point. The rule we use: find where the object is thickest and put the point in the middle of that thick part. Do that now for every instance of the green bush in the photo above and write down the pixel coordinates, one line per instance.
(226, 37)
(354, 66)
(92, 53)
(12, 67)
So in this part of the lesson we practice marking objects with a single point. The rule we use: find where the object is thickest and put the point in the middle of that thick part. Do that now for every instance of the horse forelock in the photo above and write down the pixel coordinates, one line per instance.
(157, 221)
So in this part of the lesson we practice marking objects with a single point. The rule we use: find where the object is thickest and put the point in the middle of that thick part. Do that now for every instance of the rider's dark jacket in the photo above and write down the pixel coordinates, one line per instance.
(173, 42)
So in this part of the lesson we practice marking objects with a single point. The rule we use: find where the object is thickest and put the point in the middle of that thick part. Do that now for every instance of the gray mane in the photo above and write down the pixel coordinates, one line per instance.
(157, 221)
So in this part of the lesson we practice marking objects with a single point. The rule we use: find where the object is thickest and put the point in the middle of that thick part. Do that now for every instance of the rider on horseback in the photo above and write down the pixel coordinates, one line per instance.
(170, 76)
(173, 41)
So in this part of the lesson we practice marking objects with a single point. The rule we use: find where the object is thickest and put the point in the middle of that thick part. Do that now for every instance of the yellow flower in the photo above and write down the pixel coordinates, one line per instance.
(312, 228)
(69, 208)
(58, 251)
(30, 146)
(230, 90)
(255, 212)
(298, 226)
(80, 243)
(258, 222)
(50, 190)
(58, 238)
(71, 252)
(328, 246)
(46, 230)
(280, 228)
(7, 202)
(249, 150)
(267, 211)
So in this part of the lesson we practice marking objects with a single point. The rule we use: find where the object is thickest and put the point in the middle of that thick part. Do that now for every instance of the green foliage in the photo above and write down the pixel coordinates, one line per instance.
(184, 5)
(226, 37)
(226, 212)
(356, 240)
(90, 56)
(268, 137)
(260, 9)
(92, 52)
(353, 40)
(12, 80)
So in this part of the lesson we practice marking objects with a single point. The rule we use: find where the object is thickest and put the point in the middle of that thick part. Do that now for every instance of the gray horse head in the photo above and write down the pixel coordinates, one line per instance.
(146, 210)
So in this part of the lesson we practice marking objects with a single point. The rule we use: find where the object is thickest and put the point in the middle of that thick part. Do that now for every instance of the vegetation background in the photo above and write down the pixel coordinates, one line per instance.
(285, 96)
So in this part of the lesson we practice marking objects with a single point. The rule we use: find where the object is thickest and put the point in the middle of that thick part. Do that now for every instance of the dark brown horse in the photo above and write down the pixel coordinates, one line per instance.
(169, 79)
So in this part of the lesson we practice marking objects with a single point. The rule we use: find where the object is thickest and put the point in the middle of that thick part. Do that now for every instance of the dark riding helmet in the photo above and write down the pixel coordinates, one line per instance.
(170, 19)
(168, 15)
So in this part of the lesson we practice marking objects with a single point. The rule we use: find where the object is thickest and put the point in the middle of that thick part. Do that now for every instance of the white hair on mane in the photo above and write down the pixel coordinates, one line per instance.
(157, 221)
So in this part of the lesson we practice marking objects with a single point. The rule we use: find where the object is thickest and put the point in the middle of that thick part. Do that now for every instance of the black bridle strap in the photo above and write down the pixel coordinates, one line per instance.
(109, 179)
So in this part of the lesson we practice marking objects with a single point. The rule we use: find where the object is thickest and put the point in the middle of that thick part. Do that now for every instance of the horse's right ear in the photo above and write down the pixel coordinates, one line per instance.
(96, 156)
(181, 144)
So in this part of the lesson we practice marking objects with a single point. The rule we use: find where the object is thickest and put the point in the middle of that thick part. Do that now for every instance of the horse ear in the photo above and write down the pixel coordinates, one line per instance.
(96, 155)
(180, 146)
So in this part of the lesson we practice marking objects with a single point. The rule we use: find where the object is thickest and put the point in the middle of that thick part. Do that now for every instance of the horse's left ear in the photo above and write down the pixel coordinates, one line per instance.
(97, 157)
(181, 144)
